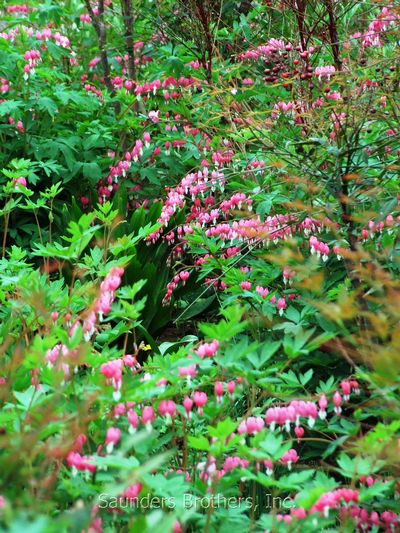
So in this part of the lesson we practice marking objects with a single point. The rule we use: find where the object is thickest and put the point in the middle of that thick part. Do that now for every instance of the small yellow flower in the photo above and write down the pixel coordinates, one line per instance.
(144, 347)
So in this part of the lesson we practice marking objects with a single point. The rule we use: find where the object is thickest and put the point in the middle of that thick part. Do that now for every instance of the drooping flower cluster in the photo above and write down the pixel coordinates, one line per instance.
(251, 426)
(18, 8)
(107, 291)
(4, 86)
(285, 416)
(112, 371)
(83, 463)
(387, 521)
(372, 37)
(32, 57)
(192, 185)
(289, 458)
(333, 500)
(207, 349)
(273, 46)
(60, 357)
(319, 248)
(325, 72)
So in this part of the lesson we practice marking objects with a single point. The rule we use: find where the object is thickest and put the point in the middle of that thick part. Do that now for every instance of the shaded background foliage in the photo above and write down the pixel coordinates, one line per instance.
(202, 188)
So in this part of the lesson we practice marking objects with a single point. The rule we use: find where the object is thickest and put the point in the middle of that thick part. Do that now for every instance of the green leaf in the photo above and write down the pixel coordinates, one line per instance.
(223, 429)
(47, 104)
(8, 107)
(198, 443)
(197, 307)
(92, 171)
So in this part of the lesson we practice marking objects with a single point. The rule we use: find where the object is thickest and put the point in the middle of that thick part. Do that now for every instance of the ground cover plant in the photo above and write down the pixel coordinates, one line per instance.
(200, 297)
